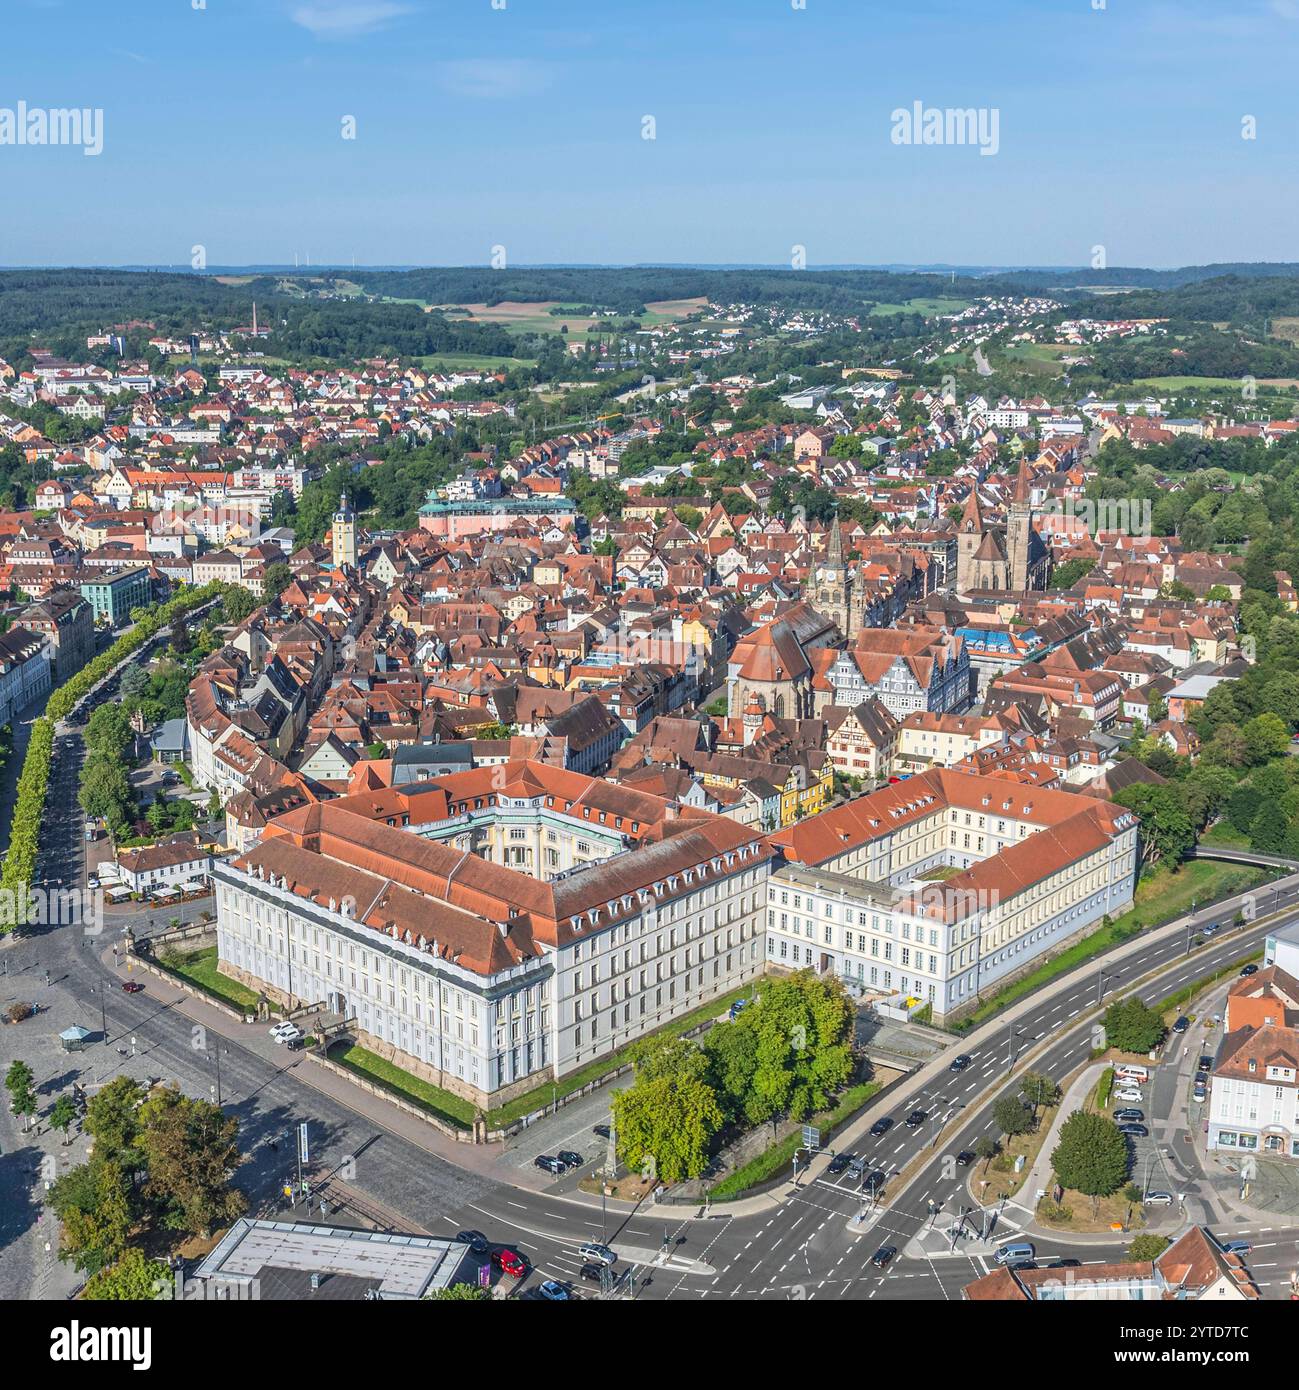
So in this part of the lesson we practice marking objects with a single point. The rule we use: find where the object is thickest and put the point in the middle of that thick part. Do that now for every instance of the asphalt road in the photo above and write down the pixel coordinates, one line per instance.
(802, 1250)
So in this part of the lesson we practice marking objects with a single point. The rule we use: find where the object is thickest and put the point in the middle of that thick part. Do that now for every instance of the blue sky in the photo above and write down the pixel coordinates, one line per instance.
(522, 127)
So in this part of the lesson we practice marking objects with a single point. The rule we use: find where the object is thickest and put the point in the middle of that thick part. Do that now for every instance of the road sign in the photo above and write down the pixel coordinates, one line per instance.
(303, 1144)
(811, 1137)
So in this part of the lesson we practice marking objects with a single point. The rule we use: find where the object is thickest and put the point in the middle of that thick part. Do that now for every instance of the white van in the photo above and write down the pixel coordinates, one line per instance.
(1129, 1071)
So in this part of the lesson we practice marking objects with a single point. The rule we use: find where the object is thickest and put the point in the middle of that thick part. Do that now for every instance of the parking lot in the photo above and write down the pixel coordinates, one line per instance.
(571, 1128)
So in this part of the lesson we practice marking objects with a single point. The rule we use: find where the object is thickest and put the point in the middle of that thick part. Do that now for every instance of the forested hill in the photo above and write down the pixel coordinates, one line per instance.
(59, 308)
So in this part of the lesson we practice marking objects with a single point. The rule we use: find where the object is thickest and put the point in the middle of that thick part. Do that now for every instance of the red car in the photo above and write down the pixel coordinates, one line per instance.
(509, 1263)
(132, 986)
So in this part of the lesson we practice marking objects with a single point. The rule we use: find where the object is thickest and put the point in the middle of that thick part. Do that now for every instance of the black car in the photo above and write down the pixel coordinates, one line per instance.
(570, 1159)
(883, 1255)
(961, 1062)
(1249, 970)
(1182, 1024)
(1064, 1264)
(1134, 1131)
(549, 1162)
(917, 1117)
(882, 1126)
(601, 1130)
(965, 1158)
(593, 1271)
(475, 1240)
(1201, 1078)
(839, 1162)
(1130, 1117)
(875, 1182)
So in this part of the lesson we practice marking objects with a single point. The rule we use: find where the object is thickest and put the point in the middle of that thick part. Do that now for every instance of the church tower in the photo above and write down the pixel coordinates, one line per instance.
(969, 533)
(1019, 530)
(344, 534)
(831, 593)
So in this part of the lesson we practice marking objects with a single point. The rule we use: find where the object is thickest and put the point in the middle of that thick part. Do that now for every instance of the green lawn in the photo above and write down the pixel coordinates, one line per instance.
(201, 967)
(781, 1154)
(452, 1108)
(1225, 836)
(1160, 897)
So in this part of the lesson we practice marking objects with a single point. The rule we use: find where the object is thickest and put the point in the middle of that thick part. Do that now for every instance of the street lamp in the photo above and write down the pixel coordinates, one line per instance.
(1101, 976)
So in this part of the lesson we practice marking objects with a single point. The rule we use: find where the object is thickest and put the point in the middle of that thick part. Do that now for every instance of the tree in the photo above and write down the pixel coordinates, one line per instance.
(732, 1056)
(133, 1278)
(237, 603)
(986, 1148)
(113, 1121)
(1039, 1090)
(1166, 829)
(664, 1055)
(665, 1127)
(1132, 1027)
(190, 1151)
(803, 1024)
(1011, 1116)
(276, 579)
(95, 1206)
(460, 1293)
(22, 1093)
(63, 1114)
(106, 791)
(1266, 736)
(1091, 1157)
(1143, 1248)
(135, 681)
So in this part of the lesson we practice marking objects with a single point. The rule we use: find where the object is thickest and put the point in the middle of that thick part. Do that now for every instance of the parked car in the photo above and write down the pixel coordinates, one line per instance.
(510, 1262)
(880, 1259)
(554, 1292)
(570, 1158)
(738, 1007)
(1248, 970)
(1134, 1131)
(1201, 1078)
(1132, 1117)
(1182, 1024)
(1206, 1062)
(838, 1163)
(917, 1117)
(549, 1163)
(285, 1027)
(1158, 1199)
(475, 1240)
(132, 986)
(965, 1158)
(1127, 1094)
(1200, 1094)
(882, 1126)
(593, 1250)
(287, 1033)
(601, 1130)
(593, 1271)
(1064, 1264)
(959, 1063)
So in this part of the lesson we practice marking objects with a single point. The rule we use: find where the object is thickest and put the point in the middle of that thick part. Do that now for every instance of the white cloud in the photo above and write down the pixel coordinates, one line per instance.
(340, 19)
(493, 77)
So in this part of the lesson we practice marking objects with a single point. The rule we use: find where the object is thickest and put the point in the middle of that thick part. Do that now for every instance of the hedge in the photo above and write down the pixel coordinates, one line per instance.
(19, 871)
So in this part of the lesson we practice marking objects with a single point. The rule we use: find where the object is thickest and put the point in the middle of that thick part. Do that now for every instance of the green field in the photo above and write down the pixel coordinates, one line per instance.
(201, 968)
(920, 306)
(472, 363)
(1210, 383)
